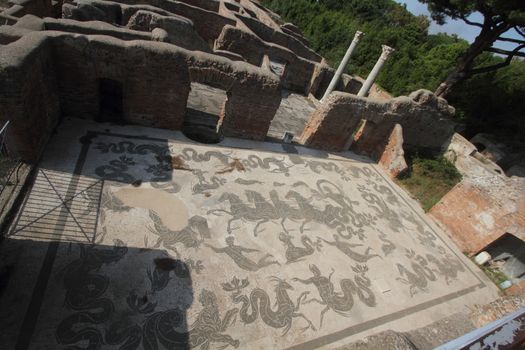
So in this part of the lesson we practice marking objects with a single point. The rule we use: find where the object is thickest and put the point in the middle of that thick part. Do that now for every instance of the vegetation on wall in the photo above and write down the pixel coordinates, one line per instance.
(485, 102)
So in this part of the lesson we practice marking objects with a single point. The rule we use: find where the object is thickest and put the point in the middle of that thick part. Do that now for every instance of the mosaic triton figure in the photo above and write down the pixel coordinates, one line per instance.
(236, 253)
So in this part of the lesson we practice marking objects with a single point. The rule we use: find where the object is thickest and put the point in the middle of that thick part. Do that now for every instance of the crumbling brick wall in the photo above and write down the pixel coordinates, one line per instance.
(478, 211)
(425, 120)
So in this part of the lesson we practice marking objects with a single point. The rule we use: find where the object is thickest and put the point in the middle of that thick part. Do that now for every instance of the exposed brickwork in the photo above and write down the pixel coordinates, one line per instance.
(155, 78)
(393, 157)
(423, 116)
(476, 217)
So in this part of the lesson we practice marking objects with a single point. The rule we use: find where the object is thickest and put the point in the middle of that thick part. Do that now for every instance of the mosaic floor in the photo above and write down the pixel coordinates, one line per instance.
(134, 238)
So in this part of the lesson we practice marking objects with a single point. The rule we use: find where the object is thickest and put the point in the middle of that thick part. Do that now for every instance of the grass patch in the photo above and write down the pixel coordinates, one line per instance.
(495, 275)
(429, 179)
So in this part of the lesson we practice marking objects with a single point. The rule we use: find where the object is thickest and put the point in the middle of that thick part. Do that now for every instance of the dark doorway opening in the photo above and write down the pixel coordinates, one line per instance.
(508, 255)
(110, 101)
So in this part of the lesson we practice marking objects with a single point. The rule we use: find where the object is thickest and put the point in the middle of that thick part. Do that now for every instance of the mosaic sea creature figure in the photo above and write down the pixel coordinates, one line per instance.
(388, 246)
(340, 302)
(264, 210)
(365, 172)
(347, 249)
(236, 253)
(193, 155)
(449, 267)
(204, 184)
(316, 167)
(191, 236)
(131, 148)
(258, 303)
(381, 208)
(169, 327)
(116, 170)
(390, 196)
(418, 278)
(240, 211)
(425, 237)
(273, 165)
(294, 253)
(85, 289)
(345, 211)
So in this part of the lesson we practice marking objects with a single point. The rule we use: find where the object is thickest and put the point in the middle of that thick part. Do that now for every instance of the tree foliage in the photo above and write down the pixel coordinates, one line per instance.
(500, 17)
(485, 102)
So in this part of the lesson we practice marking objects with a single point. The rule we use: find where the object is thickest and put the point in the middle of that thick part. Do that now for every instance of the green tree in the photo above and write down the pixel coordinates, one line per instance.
(499, 18)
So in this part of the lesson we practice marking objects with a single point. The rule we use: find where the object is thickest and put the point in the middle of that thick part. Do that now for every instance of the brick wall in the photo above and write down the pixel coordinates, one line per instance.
(53, 74)
(424, 118)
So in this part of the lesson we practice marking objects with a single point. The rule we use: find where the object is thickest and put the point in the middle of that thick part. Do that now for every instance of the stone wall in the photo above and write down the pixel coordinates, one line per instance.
(208, 24)
(53, 74)
(180, 30)
(299, 71)
(154, 76)
(280, 38)
(40, 8)
(28, 95)
(425, 120)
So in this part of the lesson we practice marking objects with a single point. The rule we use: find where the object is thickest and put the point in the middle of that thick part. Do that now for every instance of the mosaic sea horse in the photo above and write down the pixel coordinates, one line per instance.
(84, 294)
(340, 302)
(418, 279)
(191, 236)
(449, 267)
(258, 303)
(240, 211)
(294, 253)
(170, 330)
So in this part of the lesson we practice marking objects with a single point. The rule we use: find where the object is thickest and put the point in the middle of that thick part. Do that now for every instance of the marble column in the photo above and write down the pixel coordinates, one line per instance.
(342, 65)
(375, 71)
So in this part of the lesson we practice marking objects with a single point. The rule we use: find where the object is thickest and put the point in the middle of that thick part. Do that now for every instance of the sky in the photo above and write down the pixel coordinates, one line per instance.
(460, 28)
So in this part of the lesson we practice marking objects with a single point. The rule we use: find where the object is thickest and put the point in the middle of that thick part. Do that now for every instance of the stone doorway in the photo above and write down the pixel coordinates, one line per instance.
(203, 113)
(110, 100)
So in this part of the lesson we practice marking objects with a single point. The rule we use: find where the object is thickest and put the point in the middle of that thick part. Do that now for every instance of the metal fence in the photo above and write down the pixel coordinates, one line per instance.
(9, 164)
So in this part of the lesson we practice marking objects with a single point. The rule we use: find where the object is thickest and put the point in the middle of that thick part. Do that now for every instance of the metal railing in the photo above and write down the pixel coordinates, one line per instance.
(9, 165)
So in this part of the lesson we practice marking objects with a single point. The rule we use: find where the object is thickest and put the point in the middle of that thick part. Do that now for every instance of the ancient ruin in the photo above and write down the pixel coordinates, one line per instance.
(132, 231)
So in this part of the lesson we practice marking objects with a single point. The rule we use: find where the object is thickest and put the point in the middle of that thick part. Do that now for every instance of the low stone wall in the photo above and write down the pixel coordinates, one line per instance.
(208, 24)
(298, 72)
(40, 8)
(180, 30)
(53, 74)
(425, 120)
(94, 28)
(280, 38)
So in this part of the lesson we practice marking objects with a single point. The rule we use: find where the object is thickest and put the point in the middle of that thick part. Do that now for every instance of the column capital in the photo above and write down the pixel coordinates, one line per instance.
(387, 50)
(358, 35)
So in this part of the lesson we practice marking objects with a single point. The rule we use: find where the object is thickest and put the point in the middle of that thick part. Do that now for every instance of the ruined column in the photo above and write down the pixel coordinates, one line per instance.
(375, 71)
(342, 65)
